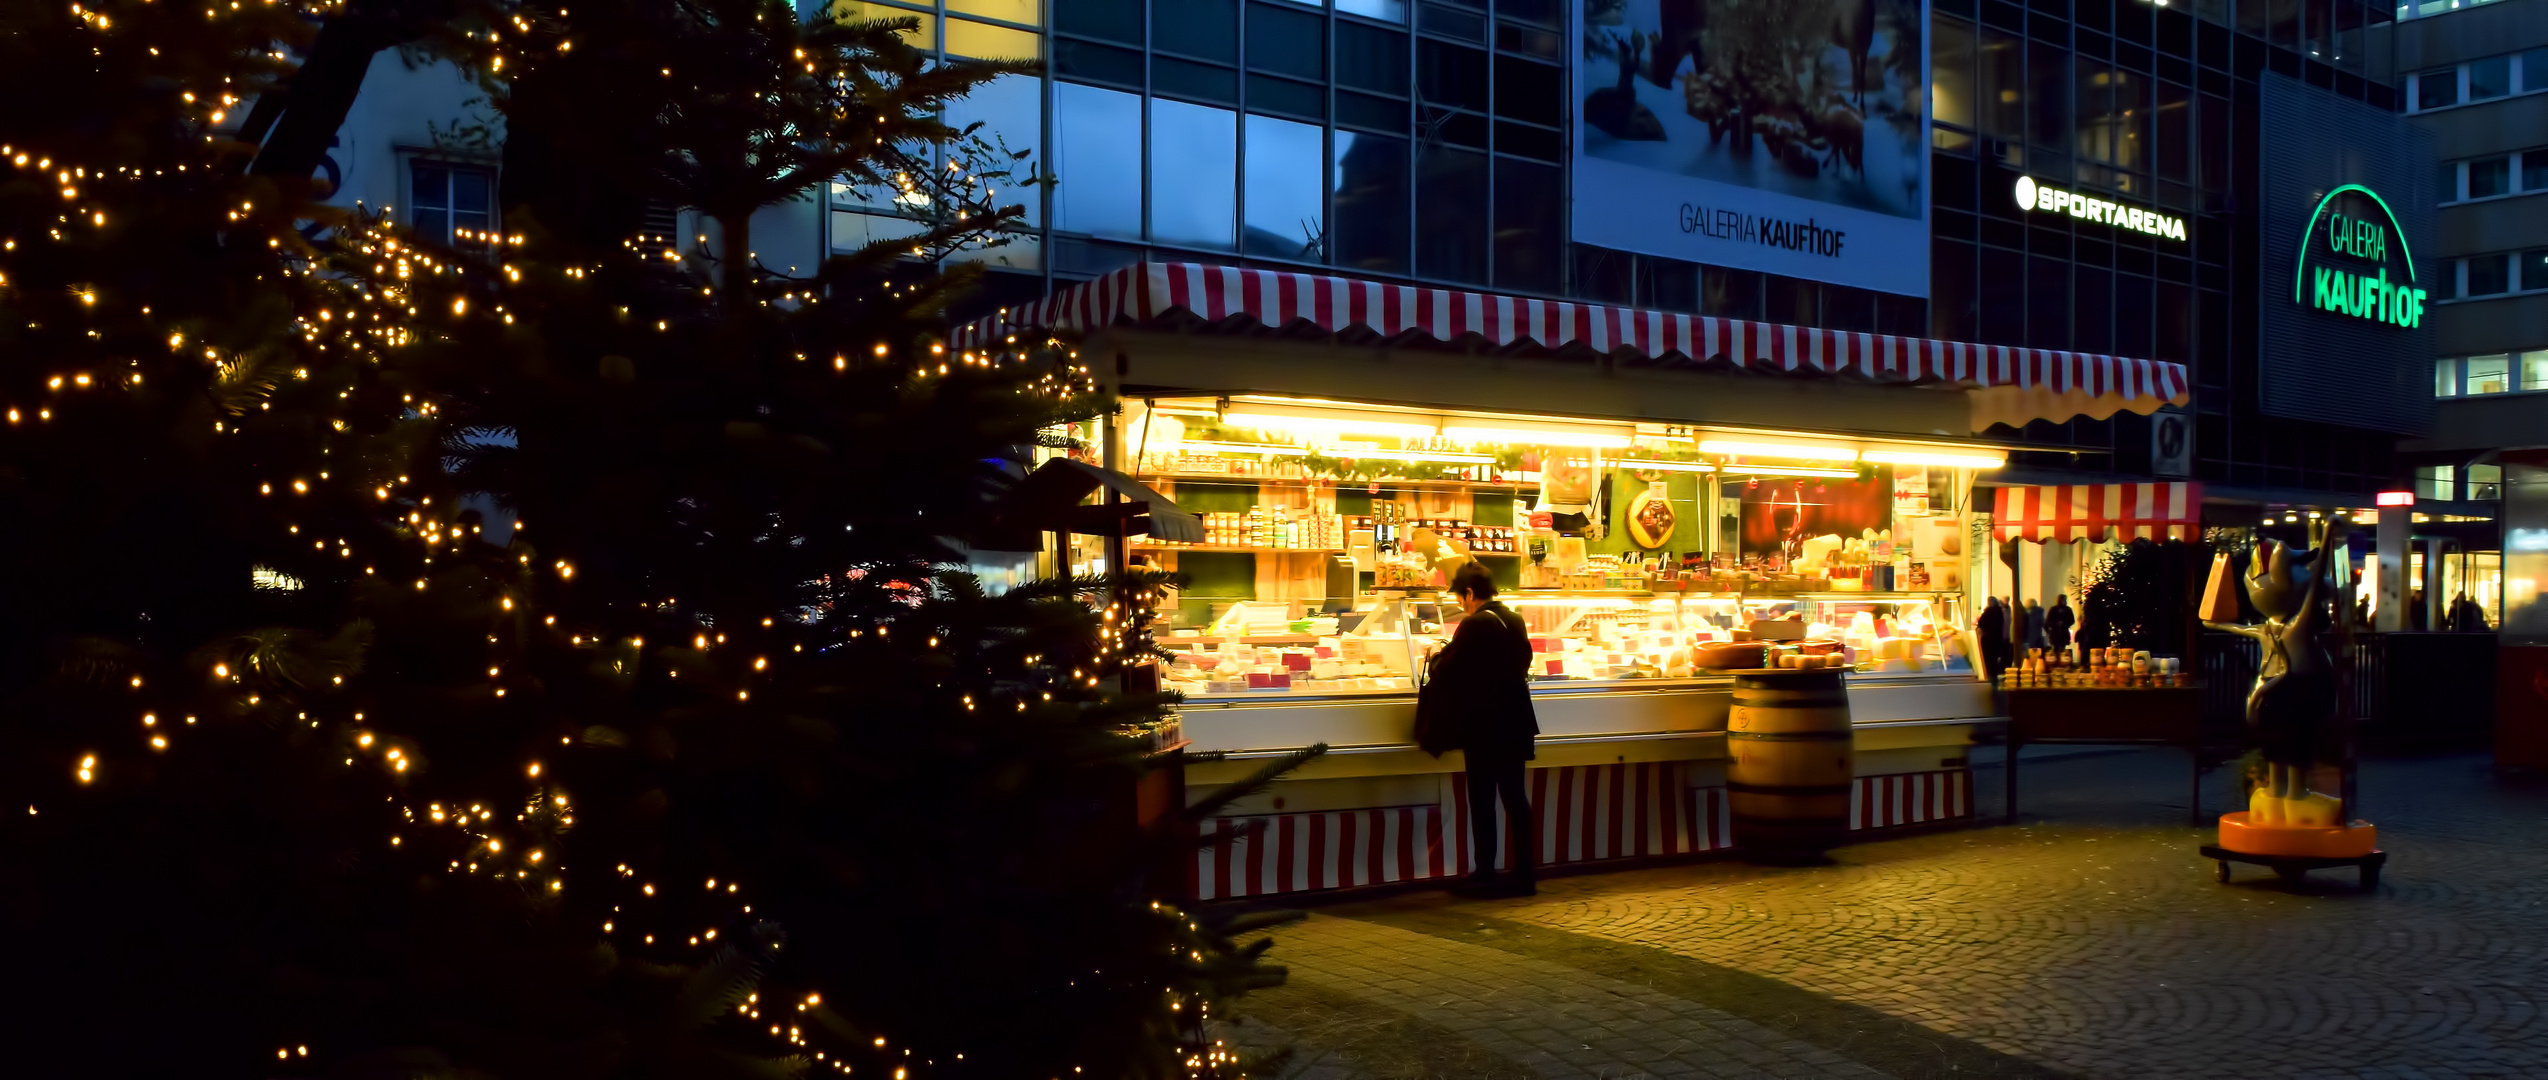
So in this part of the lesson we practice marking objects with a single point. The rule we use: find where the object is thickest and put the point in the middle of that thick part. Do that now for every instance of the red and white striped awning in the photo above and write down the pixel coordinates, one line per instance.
(2014, 385)
(2088, 511)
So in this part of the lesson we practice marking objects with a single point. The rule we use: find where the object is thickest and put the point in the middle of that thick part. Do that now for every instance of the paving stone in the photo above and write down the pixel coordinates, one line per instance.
(2089, 939)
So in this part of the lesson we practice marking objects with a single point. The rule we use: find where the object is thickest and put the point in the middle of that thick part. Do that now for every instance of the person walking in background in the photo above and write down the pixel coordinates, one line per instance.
(1478, 701)
(1992, 625)
(2031, 625)
(2057, 623)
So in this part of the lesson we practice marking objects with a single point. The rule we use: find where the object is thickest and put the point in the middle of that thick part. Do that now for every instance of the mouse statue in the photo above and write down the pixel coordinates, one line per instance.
(2291, 711)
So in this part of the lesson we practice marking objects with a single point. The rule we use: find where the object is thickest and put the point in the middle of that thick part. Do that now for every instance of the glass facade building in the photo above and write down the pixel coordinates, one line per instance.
(1426, 141)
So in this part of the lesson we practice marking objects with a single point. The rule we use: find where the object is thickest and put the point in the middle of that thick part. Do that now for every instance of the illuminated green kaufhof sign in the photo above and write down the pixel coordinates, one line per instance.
(2345, 260)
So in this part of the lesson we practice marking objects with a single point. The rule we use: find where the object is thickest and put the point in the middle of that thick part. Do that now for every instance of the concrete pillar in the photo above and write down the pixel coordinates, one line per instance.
(2434, 602)
(2390, 602)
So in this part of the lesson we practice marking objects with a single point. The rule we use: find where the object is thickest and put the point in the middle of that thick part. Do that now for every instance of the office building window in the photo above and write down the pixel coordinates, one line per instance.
(1285, 192)
(1372, 196)
(2435, 89)
(2534, 370)
(2534, 67)
(1194, 161)
(2533, 270)
(1527, 229)
(2446, 377)
(1011, 111)
(2490, 78)
(2485, 276)
(1384, 10)
(2485, 481)
(451, 205)
(1097, 161)
(2489, 374)
(1451, 215)
(2437, 482)
(2534, 170)
(2002, 64)
(2490, 177)
(1951, 75)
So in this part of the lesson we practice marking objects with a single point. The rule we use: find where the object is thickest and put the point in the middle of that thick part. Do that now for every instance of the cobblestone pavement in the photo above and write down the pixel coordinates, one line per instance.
(2089, 940)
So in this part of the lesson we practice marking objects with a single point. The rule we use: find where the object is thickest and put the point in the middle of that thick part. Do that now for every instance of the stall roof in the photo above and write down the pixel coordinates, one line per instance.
(2008, 385)
(2163, 511)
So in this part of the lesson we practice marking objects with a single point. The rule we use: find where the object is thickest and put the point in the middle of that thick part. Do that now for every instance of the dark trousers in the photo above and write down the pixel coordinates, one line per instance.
(1490, 778)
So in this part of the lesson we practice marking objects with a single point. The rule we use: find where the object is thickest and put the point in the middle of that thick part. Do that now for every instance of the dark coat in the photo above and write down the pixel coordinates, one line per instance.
(1479, 698)
(2057, 623)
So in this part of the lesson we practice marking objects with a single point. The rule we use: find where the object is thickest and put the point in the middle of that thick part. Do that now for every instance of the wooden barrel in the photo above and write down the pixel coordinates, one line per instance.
(1787, 786)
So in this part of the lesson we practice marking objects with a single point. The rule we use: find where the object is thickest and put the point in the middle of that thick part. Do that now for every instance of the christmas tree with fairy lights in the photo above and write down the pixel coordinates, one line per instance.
(549, 653)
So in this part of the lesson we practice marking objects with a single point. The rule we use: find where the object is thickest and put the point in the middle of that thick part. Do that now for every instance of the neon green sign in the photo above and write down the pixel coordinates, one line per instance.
(2347, 290)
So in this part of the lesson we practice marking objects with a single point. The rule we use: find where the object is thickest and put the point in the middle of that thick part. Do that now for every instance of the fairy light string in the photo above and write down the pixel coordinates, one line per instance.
(330, 408)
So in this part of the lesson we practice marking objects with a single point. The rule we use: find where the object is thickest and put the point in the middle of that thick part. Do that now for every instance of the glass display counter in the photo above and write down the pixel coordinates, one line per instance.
(1578, 638)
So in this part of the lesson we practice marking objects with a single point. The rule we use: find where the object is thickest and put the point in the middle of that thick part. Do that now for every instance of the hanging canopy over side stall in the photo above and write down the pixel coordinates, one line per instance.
(2168, 511)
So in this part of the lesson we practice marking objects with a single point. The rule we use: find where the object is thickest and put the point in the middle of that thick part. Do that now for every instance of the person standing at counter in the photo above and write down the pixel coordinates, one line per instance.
(1992, 625)
(1478, 700)
(2057, 623)
(2030, 625)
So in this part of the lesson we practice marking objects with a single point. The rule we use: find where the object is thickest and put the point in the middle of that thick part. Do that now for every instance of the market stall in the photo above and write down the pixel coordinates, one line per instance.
(2105, 694)
(1662, 497)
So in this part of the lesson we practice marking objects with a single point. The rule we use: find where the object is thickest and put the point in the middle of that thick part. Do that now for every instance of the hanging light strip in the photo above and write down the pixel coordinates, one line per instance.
(1781, 470)
(1665, 466)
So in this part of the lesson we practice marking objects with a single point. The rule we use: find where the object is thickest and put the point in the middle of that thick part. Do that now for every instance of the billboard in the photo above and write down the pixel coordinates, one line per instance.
(1786, 136)
(2345, 199)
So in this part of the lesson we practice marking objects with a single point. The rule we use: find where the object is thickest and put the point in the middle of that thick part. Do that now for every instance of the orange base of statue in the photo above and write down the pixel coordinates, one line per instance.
(2344, 842)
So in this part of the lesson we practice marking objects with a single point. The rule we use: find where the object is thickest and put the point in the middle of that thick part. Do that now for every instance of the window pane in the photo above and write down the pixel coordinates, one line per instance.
(1527, 39)
(2437, 482)
(1194, 154)
(1951, 72)
(925, 36)
(2132, 109)
(1285, 194)
(1286, 40)
(1101, 63)
(2489, 374)
(1016, 11)
(1011, 111)
(469, 192)
(1265, 93)
(1368, 58)
(2534, 168)
(431, 187)
(1371, 202)
(1527, 232)
(2215, 163)
(1451, 22)
(2003, 86)
(2493, 176)
(1528, 91)
(2174, 131)
(2446, 377)
(1362, 110)
(2048, 83)
(983, 41)
(1185, 78)
(1113, 20)
(2534, 370)
(2485, 275)
(2490, 78)
(2485, 481)
(1385, 10)
(2446, 181)
(1451, 215)
(432, 225)
(1097, 161)
(2099, 128)
(1203, 28)
(1451, 75)
(2434, 89)
(2534, 272)
(2534, 70)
